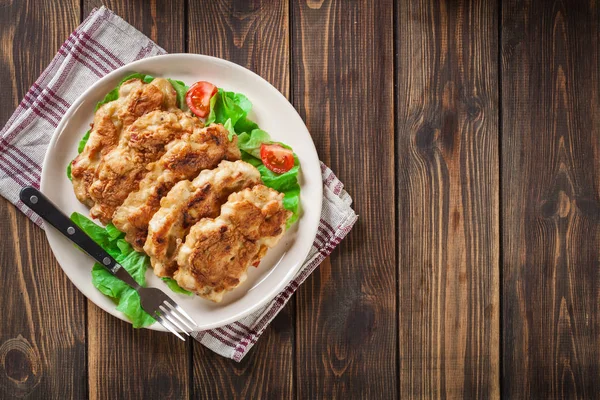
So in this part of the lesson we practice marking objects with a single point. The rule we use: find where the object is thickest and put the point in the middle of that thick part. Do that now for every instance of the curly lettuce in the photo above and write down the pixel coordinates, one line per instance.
(112, 240)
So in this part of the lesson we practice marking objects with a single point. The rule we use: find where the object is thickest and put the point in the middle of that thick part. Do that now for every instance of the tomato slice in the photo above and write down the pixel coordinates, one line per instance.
(198, 98)
(276, 157)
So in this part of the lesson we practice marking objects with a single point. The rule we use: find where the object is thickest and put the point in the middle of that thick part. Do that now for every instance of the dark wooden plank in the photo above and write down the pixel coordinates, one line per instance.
(123, 362)
(42, 334)
(161, 21)
(342, 85)
(551, 198)
(254, 35)
(265, 373)
(127, 363)
(447, 105)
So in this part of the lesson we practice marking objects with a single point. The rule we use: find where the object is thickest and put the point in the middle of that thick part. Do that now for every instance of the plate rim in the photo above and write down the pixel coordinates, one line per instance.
(276, 289)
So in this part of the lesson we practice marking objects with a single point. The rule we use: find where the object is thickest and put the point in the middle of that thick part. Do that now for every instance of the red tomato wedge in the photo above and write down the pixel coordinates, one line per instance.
(276, 157)
(198, 98)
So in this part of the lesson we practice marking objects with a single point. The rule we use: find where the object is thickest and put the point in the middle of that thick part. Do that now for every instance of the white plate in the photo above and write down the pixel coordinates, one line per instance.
(271, 111)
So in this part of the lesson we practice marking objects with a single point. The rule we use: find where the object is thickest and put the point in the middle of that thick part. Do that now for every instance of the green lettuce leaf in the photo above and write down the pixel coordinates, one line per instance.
(113, 232)
(181, 90)
(212, 116)
(104, 281)
(229, 126)
(111, 240)
(245, 125)
(83, 141)
(127, 299)
(228, 106)
(172, 284)
(251, 142)
(240, 100)
(124, 247)
(129, 304)
(69, 172)
(280, 182)
(96, 232)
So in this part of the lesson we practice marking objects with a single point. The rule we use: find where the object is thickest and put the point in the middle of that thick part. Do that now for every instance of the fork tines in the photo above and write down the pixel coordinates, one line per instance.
(174, 319)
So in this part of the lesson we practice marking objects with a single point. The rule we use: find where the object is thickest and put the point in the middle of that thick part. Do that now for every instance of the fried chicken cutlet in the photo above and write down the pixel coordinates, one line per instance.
(185, 158)
(189, 202)
(217, 252)
(136, 98)
(143, 142)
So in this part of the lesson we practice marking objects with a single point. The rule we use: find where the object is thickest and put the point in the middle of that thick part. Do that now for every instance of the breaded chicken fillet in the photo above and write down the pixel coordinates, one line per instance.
(217, 252)
(143, 142)
(189, 202)
(136, 98)
(185, 157)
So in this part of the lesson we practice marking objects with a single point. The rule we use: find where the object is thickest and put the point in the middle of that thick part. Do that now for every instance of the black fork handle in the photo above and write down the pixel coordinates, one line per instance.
(43, 207)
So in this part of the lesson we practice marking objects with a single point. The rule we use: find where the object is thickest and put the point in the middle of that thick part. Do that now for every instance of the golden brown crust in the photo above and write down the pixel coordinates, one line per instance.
(217, 252)
(187, 203)
(121, 170)
(185, 159)
(219, 259)
(135, 99)
(149, 98)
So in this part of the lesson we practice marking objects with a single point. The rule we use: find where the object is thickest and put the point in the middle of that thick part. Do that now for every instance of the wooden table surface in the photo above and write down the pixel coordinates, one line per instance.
(467, 133)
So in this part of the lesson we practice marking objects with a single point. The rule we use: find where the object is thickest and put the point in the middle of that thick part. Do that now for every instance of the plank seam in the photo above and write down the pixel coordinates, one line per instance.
(500, 208)
(396, 190)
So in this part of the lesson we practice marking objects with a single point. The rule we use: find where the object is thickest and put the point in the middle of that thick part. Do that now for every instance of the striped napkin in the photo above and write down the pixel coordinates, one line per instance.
(102, 43)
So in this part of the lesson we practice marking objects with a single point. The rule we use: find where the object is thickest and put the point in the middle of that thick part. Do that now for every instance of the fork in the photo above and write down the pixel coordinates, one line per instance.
(154, 301)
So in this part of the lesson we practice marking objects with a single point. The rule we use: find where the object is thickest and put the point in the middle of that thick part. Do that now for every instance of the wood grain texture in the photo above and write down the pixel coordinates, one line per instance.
(346, 333)
(448, 183)
(342, 86)
(127, 363)
(42, 334)
(255, 35)
(124, 362)
(160, 20)
(551, 198)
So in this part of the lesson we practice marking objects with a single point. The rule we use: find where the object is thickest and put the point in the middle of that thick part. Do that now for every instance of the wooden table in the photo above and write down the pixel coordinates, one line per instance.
(467, 133)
